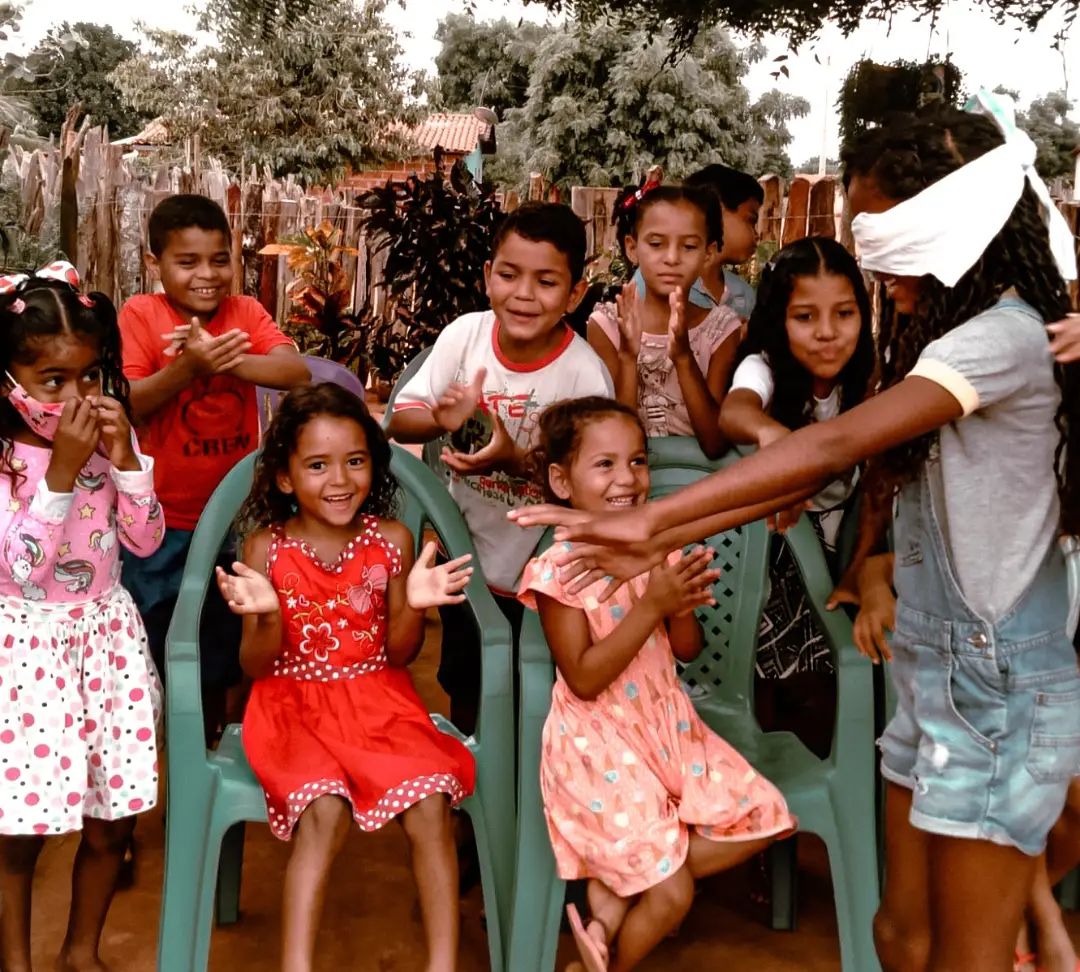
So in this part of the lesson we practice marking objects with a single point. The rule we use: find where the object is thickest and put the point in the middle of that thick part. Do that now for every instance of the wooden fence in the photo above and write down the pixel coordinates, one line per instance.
(102, 199)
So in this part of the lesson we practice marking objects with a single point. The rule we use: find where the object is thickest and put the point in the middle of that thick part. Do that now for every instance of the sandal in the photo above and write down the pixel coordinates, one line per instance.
(592, 958)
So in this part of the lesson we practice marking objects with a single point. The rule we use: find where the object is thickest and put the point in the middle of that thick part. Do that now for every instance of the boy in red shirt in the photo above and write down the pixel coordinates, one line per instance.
(194, 355)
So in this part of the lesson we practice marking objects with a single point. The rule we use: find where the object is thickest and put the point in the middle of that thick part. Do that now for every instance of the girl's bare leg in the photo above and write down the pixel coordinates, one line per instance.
(707, 857)
(1051, 940)
(18, 858)
(320, 832)
(656, 913)
(93, 882)
(902, 924)
(435, 866)
(977, 893)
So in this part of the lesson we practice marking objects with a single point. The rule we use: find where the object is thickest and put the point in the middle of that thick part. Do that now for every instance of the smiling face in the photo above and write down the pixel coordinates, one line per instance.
(531, 289)
(670, 246)
(823, 324)
(196, 270)
(609, 470)
(329, 470)
(864, 196)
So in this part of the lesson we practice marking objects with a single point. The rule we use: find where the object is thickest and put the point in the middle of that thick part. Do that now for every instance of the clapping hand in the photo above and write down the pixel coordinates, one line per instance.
(429, 585)
(678, 588)
(628, 304)
(1065, 338)
(206, 355)
(247, 591)
(678, 346)
(458, 402)
(501, 453)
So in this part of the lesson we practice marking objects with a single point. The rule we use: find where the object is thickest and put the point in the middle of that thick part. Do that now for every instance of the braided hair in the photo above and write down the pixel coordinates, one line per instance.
(42, 308)
(902, 158)
(267, 504)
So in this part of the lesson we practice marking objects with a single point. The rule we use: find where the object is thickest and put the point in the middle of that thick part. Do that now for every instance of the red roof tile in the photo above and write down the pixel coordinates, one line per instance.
(455, 132)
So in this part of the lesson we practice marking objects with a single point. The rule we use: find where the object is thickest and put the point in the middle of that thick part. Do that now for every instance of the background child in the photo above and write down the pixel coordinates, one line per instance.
(505, 366)
(807, 357)
(640, 795)
(670, 360)
(741, 196)
(333, 608)
(968, 422)
(80, 695)
(196, 410)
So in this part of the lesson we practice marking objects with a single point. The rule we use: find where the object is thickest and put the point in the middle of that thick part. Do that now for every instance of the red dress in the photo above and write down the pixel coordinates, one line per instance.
(334, 717)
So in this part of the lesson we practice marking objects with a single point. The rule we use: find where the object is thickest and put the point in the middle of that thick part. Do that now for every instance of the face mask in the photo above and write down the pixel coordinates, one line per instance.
(42, 417)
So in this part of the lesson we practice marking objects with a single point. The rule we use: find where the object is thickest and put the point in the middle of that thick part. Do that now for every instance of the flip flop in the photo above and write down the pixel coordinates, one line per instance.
(1020, 960)
(591, 956)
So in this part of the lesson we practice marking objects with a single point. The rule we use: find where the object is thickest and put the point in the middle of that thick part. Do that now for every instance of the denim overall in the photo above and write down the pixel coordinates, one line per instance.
(987, 726)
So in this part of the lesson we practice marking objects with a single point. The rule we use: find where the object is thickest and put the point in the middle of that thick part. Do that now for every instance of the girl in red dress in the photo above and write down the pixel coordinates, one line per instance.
(333, 612)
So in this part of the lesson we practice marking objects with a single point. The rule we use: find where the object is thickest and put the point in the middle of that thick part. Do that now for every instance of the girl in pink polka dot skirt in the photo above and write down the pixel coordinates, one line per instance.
(79, 696)
(641, 797)
(333, 613)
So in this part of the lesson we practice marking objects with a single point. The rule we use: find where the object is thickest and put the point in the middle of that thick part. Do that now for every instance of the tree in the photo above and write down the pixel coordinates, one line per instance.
(485, 62)
(605, 105)
(799, 20)
(68, 72)
(324, 92)
(811, 166)
(1055, 134)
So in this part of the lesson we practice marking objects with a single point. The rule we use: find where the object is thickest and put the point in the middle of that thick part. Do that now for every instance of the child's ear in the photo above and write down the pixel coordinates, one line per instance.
(577, 292)
(152, 266)
(487, 277)
(630, 245)
(559, 481)
(284, 483)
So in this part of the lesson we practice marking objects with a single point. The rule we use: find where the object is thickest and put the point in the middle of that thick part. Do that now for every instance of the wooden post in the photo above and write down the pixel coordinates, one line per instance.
(796, 211)
(70, 145)
(771, 215)
(536, 186)
(822, 207)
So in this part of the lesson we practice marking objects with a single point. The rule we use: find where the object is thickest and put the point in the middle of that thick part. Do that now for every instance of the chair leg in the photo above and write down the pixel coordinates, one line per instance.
(1068, 891)
(494, 906)
(538, 898)
(191, 857)
(853, 865)
(230, 868)
(783, 864)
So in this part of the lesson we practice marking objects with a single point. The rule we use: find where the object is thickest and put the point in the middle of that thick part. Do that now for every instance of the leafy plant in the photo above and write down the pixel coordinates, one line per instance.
(321, 319)
(437, 234)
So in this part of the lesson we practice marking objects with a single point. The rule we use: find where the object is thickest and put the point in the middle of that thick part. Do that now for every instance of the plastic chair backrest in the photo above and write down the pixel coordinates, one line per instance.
(431, 452)
(322, 369)
(406, 375)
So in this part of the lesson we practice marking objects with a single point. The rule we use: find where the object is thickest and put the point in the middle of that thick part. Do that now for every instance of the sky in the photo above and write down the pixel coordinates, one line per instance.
(988, 54)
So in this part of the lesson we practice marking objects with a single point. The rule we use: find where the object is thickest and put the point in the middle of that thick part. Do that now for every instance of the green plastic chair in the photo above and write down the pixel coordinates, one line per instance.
(833, 798)
(431, 452)
(211, 792)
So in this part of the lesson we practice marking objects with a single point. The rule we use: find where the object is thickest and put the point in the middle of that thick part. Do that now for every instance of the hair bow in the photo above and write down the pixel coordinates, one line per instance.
(57, 270)
(639, 194)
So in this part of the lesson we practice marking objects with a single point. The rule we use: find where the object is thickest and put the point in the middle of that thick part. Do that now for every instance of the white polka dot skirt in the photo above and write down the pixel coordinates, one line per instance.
(79, 705)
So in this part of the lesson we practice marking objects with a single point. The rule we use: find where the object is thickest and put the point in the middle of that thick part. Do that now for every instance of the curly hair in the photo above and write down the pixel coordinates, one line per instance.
(767, 335)
(48, 309)
(904, 157)
(267, 504)
(630, 209)
(559, 434)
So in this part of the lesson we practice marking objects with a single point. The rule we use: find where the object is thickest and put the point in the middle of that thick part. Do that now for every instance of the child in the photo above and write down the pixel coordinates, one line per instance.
(968, 421)
(740, 196)
(80, 695)
(640, 796)
(196, 409)
(670, 360)
(807, 357)
(333, 613)
(486, 381)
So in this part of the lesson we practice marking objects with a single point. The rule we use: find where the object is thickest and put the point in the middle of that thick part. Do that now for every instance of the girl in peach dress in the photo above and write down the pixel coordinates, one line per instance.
(640, 796)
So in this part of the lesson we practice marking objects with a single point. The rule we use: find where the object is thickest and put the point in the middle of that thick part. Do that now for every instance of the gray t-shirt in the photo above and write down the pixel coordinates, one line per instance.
(992, 475)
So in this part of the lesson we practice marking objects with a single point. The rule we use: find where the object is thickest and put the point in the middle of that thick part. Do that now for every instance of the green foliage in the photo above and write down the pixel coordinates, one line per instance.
(810, 166)
(485, 62)
(871, 92)
(438, 235)
(324, 92)
(799, 20)
(604, 105)
(72, 65)
(1055, 134)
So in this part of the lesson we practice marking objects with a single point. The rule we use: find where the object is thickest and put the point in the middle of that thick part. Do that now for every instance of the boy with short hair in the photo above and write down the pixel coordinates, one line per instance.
(194, 355)
(741, 197)
(508, 363)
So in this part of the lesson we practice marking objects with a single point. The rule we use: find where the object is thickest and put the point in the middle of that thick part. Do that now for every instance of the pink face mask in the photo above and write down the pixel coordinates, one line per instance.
(42, 417)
